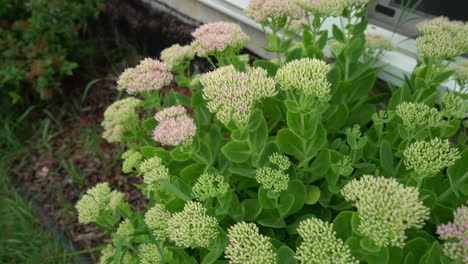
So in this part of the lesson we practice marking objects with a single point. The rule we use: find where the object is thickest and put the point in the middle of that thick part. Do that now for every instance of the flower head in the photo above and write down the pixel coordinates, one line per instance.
(149, 254)
(418, 115)
(177, 55)
(192, 227)
(116, 198)
(378, 42)
(324, 7)
(442, 38)
(461, 73)
(248, 246)
(119, 118)
(320, 244)
(280, 160)
(386, 208)
(455, 235)
(131, 160)
(272, 179)
(440, 24)
(209, 186)
(156, 219)
(307, 75)
(96, 200)
(232, 94)
(453, 106)
(175, 127)
(262, 10)
(217, 37)
(153, 170)
(429, 157)
(124, 232)
(148, 75)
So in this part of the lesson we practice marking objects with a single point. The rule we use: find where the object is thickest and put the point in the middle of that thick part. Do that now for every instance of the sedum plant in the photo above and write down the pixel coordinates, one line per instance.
(277, 162)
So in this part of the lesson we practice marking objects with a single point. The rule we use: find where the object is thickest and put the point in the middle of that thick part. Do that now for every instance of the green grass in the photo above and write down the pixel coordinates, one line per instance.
(22, 238)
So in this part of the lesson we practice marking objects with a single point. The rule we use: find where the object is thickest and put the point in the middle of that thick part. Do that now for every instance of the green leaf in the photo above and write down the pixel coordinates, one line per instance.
(269, 66)
(216, 247)
(192, 172)
(170, 99)
(184, 193)
(342, 225)
(244, 172)
(297, 188)
(361, 115)
(286, 202)
(265, 201)
(338, 119)
(237, 152)
(313, 194)
(355, 223)
(458, 174)
(291, 144)
(179, 155)
(386, 157)
(434, 254)
(251, 209)
(255, 120)
(337, 33)
(320, 165)
(149, 124)
(285, 255)
(417, 247)
(379, 257)
(273, 222)
(369, 245)
(304, 126)
(401, 95)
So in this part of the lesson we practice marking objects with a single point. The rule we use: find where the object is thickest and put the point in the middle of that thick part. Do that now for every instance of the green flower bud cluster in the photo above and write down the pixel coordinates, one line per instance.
(453, 106)
(248, 246)
(274, 179)
(124, 232)
(209, 186)
(429, 157)
(153, 170)
(320, 244)
(192, 227)
(232, 95)
(280, 160)
(461, 71)
(96, 202)
(324, 7)
(442, 38)
(177, 55)
(119, 118)
(386, 209)
(309, 76)
(419, 115)
(149, 254)
(131, 160)
(378, 42)
(156, 219)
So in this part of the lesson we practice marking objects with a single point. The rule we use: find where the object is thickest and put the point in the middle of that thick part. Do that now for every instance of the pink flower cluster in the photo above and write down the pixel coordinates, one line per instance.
(261, 10)
(456, 235)
(175, 127)
(148, 75)
(217, 37)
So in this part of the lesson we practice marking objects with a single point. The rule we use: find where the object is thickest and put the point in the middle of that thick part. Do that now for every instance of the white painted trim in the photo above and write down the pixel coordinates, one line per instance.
(397, 63)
